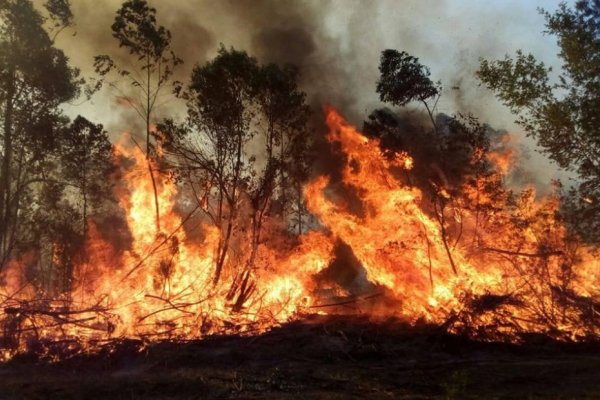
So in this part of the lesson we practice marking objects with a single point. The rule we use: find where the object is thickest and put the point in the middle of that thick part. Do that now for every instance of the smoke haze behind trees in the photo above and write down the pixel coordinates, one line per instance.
(336, 45)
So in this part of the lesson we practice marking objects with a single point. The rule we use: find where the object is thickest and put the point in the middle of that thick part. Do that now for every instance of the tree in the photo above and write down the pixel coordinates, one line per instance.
(563, 115)
(403, 79)
(136, 28)
(285, 115)
(242, 147)
(446, 155)
(451, 167)
(54, 235)
(35, 79)
(218, 112)
(86, 162)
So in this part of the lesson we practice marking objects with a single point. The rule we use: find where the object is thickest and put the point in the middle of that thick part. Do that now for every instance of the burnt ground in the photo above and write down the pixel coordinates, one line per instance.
(323, 358)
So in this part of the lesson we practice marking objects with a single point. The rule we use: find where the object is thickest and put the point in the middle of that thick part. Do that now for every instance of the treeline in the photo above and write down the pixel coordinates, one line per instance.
(245, 149)
(52, 170)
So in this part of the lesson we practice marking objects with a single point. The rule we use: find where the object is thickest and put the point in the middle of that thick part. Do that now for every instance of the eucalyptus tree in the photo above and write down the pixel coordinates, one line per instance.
(241, 148)
(35, 79)
(136, 29)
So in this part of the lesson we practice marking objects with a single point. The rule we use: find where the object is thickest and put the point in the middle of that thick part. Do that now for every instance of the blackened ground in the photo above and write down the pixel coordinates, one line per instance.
(321, 358)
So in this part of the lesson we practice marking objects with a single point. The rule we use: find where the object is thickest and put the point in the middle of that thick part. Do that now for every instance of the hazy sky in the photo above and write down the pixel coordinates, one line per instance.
(335, 43)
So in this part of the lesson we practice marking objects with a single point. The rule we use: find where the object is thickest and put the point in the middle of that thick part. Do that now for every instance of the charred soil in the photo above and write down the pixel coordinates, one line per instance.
(318, 358)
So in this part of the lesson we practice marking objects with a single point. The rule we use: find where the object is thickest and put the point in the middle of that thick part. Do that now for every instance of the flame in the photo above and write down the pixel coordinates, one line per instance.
(396, 242)
(505, 154)
(401, 246)
(166, 279)
(162, 286)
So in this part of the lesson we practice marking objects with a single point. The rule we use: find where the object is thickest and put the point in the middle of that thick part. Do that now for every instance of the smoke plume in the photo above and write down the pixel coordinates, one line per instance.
(335, 44)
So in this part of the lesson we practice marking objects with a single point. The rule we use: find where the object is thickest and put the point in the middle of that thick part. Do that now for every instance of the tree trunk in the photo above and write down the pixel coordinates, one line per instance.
(442, 221)
(232, 200)
(5, 175)
(148, 161)
(223, 248)
(85, 225)
(299, 206)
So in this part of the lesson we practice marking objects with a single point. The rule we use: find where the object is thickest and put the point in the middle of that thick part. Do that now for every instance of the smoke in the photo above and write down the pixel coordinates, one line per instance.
(335, 44)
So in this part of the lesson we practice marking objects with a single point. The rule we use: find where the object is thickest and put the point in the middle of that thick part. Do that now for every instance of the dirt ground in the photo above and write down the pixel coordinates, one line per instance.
(323, 358)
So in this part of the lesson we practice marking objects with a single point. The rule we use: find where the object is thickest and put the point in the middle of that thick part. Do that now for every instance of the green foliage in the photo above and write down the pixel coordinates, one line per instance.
(86, 162)
(35, 79)
(403, 79)
(219, 92)
(53, 173)
(60, 12)
(563, 116)
(27, 52)
(135, 27)
(522, 82)
(231, 100)
(279, 96)
(243, 146)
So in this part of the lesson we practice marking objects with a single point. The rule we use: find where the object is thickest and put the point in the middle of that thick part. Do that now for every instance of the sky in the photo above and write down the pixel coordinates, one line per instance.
(336, 44)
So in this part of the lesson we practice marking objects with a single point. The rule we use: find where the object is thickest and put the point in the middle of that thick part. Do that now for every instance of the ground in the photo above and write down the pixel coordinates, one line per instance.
(322, 358)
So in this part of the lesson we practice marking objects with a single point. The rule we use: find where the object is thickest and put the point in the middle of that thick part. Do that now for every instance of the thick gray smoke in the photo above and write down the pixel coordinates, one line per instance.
(336, 45)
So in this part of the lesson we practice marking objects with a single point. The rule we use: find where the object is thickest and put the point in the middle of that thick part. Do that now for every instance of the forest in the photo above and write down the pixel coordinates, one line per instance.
(243, 208)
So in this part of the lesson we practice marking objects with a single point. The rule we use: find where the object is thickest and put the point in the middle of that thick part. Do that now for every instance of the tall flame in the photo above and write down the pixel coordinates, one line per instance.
(162, 287)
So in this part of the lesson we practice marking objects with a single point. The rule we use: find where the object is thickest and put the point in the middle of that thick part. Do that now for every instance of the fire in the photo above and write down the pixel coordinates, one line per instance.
(505, 156)
(402, 246)
(396, 242)
(165, 280)
(162, 287)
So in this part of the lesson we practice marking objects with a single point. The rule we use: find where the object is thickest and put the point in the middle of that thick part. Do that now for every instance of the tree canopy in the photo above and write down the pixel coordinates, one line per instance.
(35, 79)
(561, 112)
(243, 145)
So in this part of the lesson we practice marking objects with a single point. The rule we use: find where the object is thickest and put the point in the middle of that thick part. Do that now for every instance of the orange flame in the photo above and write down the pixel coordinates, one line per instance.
(162, 287)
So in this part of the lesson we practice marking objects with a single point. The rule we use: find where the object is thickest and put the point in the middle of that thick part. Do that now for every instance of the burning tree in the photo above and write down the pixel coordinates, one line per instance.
(243, 147)
(37, 209)
(417, 216)
(40, 235)
(455, 169)
(137, 30)
(449, 154)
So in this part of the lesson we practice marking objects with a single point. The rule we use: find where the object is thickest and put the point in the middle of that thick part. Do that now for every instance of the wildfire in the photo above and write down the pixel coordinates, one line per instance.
(162, 287)
(505, 156)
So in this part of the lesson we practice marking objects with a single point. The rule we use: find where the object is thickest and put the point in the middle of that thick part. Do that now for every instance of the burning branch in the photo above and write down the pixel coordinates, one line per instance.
(522, 254)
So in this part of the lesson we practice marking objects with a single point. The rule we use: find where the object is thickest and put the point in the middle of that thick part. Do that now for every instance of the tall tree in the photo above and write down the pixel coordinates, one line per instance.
(287, 144)
(403, 80)
(242, 144)
(562, 113)
(219, 94)
(35, 79)
(136, 29)
(86, 162)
